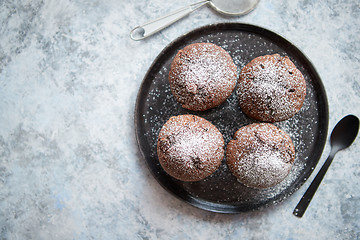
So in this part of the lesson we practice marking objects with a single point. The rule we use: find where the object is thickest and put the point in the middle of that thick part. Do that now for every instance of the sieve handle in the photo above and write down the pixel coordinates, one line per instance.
(148, 29)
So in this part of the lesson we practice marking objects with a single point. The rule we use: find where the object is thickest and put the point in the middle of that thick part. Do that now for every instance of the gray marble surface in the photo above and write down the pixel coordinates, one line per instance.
(69, 164)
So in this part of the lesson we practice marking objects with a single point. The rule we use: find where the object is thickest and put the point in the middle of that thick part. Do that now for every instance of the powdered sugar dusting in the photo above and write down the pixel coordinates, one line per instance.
(190, 148)
(271, 88)
(267, 167)
(202, 76)
(261, 155)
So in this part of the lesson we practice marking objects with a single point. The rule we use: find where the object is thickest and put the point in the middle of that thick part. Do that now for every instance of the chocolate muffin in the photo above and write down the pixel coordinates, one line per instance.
(190, 148)
(202, 76)
(271, 88)
(260, 155)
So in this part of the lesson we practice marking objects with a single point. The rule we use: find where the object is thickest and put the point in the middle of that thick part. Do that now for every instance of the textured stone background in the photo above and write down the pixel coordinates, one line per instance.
(69, 164)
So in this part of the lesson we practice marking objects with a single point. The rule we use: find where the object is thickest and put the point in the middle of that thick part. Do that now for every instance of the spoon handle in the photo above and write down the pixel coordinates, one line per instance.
(305, 200)
(148, 29)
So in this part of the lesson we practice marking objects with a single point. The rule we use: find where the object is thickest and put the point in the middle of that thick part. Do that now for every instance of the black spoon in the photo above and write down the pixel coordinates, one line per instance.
(341, 137)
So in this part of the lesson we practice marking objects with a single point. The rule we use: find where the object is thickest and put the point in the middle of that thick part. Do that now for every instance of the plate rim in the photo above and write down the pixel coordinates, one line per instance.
(256, 29)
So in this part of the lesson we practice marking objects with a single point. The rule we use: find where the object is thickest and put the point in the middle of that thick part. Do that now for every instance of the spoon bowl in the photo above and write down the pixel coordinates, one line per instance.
(344, 133)
(233, 7)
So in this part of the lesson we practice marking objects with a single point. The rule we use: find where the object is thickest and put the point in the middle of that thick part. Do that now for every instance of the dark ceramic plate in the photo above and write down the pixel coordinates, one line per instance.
(221, 192)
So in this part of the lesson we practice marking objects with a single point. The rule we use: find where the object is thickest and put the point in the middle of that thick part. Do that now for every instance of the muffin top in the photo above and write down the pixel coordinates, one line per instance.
(202, 76)
(190, 148)
(271, 88)
(260, 155)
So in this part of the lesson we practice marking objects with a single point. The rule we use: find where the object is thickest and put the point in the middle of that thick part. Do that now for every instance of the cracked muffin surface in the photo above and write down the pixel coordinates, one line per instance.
(260, 155)
(190, 148)
(271, 88)
(202, 76)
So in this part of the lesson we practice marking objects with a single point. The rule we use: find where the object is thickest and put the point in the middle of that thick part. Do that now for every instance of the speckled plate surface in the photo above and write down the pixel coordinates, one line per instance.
(221, 192)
